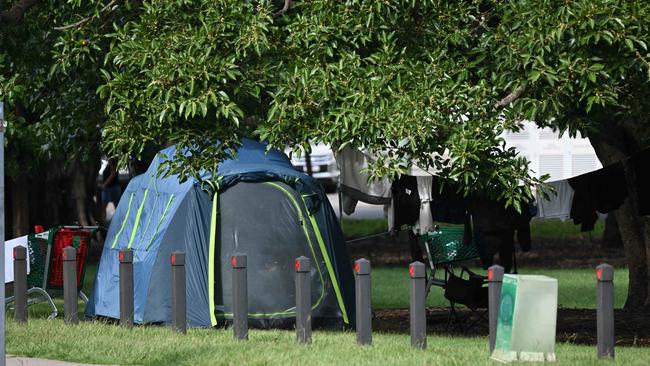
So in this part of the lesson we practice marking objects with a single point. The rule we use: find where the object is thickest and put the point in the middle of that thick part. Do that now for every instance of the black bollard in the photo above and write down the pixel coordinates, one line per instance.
(303, 300)
(70, 305)
(126, 288)
(363, 301)
(20, 284)
(239, 297)
(418, 306)
(605, 310)
(495, 280)
(179, 300)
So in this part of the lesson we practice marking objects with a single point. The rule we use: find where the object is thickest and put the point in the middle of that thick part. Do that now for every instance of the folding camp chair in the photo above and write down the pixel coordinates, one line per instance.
(445, 247)
(45, 279)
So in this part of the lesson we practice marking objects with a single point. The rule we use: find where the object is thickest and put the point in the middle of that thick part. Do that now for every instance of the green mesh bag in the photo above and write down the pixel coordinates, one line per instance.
(445, 245)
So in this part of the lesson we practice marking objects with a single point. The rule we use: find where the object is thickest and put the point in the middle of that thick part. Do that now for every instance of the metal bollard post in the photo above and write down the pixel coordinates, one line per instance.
(303, 300)
(126, 288)
(70, 305)
(20, 284)
(179, 300)
(495, 280)
(418, 306)
(363, 301)
(239, 296)
(605, 310)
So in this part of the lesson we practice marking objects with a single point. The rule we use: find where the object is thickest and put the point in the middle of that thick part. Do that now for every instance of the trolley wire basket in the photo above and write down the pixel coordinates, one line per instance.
(46, 263)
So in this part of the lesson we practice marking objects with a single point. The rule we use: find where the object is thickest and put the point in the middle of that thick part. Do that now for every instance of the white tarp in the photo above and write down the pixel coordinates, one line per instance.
(9, 256)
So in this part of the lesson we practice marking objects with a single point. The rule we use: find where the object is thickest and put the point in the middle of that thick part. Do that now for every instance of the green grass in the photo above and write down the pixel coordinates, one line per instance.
(390, 288)
(360, 228)
(110, 344)
(100, 343)
(577, 287)
(556, 229)
(546, 229)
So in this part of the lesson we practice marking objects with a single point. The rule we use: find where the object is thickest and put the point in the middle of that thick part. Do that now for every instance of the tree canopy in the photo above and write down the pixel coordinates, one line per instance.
(429, 82)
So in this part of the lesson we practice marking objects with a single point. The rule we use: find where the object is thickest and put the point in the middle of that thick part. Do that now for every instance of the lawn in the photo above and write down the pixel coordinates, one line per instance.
(555, 229)
(577, 287)
(96, 342)
(110, 344)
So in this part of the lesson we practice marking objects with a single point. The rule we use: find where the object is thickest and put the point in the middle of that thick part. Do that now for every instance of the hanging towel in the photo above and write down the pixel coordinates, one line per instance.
(557, 204)
(354, 184)
(603, 190)
(406, 202)
(425, 222)
(447, 204)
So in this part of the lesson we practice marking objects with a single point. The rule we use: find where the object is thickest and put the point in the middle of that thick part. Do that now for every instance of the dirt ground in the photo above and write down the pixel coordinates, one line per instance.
(573, 325)
(576, 252)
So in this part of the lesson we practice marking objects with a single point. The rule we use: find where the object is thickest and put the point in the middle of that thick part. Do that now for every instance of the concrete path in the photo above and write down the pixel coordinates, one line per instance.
(26, 361)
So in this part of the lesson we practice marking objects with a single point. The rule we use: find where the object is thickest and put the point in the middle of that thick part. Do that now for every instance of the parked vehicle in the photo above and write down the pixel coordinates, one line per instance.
(323, 165)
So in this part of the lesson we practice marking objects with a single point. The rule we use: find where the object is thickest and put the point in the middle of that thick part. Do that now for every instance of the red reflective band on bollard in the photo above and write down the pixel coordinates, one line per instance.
(233, 261)
(411, 271)
(599, 273)
(356, 267)
(297, 266)
(14, 253)
(121, 256)
(489, 275)
(172, 259)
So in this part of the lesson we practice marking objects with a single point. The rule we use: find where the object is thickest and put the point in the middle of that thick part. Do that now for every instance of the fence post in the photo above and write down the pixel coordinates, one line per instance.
(363, 301)
(418, 306)
(179, 300)
(239, 296)
(495, 281)
(70, 293)
(126, 288)
(605, 310)
(20, 284)
(303, 300)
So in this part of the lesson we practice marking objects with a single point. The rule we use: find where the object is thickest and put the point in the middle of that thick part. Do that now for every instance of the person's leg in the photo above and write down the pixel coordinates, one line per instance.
(416, 251)
(114, 193)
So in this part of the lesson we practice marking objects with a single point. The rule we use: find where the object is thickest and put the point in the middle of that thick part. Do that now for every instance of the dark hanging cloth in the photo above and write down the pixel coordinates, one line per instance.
(603, 190)
(447, 204)
(495, 228)
(406, 201)
(641, 165)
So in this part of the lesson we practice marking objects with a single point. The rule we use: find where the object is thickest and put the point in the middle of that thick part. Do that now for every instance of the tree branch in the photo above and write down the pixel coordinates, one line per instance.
(511, 97)
(285, 8)
(87, 19)
(15, 14)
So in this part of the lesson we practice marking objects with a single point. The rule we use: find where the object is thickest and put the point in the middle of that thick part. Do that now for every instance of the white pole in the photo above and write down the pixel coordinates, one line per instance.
(2, 234)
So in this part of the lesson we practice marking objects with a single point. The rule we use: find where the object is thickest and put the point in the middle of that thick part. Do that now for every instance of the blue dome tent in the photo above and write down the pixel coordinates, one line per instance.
(258, 205)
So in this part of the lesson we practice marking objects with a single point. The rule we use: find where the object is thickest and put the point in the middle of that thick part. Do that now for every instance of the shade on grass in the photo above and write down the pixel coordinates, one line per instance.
(110, 344)
(546, 228)
(577, 287)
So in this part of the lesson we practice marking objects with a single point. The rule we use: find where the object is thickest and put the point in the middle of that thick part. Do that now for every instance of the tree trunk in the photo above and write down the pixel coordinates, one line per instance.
(80, 194)
(20, 205)
(611, 235)
(634, 234)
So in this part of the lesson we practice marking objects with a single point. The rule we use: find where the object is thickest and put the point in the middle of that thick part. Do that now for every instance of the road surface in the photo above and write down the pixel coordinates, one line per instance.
(363, 210)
